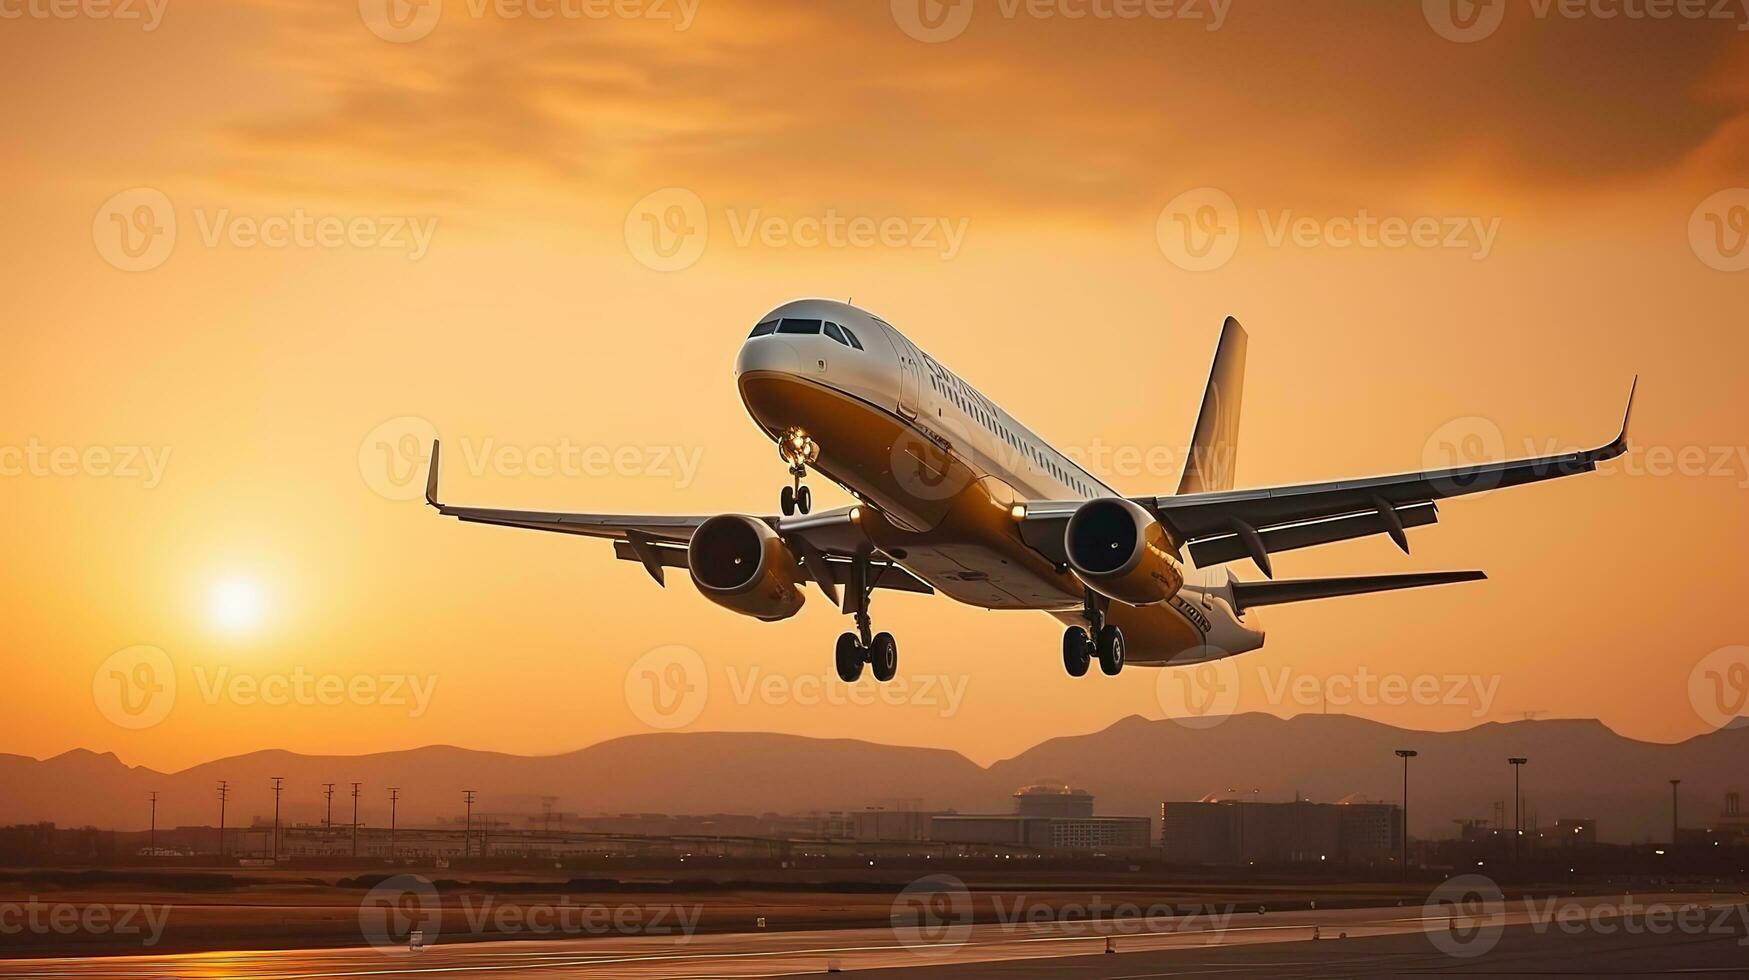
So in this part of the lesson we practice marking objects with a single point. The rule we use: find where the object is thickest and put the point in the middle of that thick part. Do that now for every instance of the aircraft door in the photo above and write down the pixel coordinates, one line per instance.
(908, 374)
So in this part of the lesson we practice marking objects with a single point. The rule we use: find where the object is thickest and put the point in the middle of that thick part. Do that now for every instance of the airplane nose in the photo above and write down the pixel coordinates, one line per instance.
(768, 354)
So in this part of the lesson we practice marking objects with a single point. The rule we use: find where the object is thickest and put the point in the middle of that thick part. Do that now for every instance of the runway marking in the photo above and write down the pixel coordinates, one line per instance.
(1201, 936)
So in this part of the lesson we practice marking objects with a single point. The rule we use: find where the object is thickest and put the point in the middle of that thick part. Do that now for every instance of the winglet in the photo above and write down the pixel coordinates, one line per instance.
(1627, 414)
(1620, 445)
(431, 478)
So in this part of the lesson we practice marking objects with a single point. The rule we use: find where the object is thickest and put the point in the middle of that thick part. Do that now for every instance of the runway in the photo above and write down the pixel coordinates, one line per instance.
(1657, 932)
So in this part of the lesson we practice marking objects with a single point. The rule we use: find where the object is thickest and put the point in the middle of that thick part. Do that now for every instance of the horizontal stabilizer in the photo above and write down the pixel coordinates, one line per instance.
(1249, 594)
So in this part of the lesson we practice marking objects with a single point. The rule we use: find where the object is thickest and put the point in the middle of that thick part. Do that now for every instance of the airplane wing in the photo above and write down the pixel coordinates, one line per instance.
(1225, 525)
(826, 542)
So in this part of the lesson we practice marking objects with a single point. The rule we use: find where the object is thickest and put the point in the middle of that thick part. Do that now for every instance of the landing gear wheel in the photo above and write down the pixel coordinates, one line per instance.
(804, 499)
(1110, 650)
(787, 500)
(848, 658)
(883, 657)
(1077, 651)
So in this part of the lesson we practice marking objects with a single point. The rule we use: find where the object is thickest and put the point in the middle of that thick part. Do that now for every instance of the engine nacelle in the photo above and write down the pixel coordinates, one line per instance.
(740, 563)
(1120, 551)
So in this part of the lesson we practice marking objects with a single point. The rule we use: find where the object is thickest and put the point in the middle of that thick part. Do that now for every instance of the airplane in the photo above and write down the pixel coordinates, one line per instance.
(954, 495)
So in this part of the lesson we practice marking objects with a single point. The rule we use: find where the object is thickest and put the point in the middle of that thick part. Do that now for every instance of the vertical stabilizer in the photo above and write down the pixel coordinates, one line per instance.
(1214, 447)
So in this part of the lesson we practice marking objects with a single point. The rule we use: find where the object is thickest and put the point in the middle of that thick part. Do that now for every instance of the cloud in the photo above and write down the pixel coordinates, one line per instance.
(1288, 103)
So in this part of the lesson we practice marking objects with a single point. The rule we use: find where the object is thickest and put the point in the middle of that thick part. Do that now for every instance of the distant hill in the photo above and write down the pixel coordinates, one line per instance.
(1576, 769)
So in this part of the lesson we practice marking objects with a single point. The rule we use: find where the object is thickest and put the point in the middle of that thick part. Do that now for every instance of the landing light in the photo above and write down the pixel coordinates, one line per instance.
(1018, 512)
(856, 515)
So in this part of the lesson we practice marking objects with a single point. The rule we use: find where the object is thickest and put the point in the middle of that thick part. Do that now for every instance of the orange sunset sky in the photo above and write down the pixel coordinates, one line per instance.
(263, 531)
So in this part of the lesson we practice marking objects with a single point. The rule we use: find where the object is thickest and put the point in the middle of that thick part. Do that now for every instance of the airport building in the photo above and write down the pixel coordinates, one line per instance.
(1230, 832)
(1047, 816)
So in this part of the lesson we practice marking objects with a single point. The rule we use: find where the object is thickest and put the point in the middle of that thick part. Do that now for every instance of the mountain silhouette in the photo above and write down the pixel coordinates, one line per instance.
(1577, 768)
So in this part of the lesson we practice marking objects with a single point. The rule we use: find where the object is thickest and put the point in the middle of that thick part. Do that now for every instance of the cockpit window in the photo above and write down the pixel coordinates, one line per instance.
(853, 341)
(833, 331)
(792, 325)
(763, 329)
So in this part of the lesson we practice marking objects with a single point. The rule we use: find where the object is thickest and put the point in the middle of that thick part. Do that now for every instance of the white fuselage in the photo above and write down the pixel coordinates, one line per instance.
(915, 400)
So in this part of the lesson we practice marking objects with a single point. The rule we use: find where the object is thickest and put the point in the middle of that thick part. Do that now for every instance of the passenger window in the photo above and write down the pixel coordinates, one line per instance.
(763, 329)
(792, 325)
(852, 335)
(835, 333)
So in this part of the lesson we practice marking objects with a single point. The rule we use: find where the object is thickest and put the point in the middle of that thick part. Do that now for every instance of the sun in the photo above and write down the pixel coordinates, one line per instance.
(235, 606)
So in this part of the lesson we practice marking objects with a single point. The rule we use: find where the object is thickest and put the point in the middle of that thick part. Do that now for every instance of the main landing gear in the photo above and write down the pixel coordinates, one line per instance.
(880, 651)
(1105, 642)
(797, 449)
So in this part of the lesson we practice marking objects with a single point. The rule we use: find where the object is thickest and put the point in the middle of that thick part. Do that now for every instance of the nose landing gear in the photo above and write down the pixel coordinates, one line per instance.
(796, 497)
(796, 448)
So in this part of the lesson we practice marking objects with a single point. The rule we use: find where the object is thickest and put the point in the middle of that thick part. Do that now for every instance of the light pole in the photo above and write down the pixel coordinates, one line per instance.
(355, 819)
(1673, 824)
(224, 792)
(278, 784)
(394, 797)
(1406, 755)
(152, 835)
(328, 814)
(1517, 806)
(468, 828)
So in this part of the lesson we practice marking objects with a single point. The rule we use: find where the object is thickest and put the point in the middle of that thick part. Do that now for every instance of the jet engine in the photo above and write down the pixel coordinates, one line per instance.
(1120, 551)
(740, 563)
